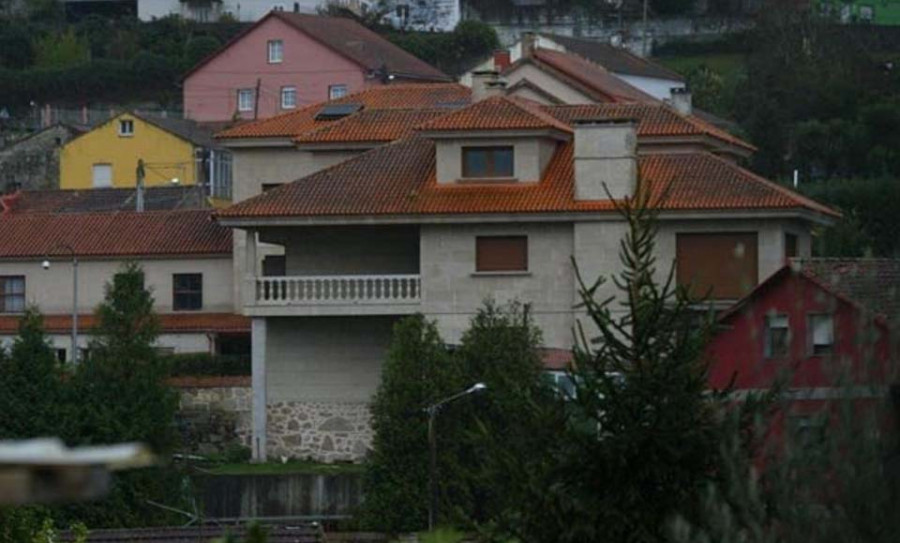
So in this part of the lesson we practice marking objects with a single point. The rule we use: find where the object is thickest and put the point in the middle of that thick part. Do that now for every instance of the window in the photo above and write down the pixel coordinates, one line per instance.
(266, 187)
(245, 99)
(126, 127)
(337, 91)
(12, 294)
(276, 50)
(61, 356)
(288, 97)
(821, 334)
(790, 246)
(101, 175)
(723, 266)
(484, 162)
(187, 291)
(777, 336)
(501, 253)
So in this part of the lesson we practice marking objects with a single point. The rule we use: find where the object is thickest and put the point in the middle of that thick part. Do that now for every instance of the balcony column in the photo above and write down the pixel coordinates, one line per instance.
(260, 396)
(250, 252)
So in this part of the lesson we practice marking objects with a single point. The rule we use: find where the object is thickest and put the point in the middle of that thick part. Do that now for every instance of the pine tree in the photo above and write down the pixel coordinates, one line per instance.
(31, 388)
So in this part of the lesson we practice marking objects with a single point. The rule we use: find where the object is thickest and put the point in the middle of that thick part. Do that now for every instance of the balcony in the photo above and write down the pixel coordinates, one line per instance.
(309, 295)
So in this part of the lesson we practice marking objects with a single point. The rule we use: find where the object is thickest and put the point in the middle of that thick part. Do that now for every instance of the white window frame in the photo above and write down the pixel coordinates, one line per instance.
(126, 128)
(275, 51)
(767, 334)
(287, 91)
(812, 336)
(241, 95)
(337, 91)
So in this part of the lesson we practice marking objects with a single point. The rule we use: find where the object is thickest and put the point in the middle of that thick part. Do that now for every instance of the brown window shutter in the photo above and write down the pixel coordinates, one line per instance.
(501, 253)
(724, 266)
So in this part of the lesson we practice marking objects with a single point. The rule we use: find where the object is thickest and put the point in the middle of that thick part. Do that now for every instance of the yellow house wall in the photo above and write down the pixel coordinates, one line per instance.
(166, 155)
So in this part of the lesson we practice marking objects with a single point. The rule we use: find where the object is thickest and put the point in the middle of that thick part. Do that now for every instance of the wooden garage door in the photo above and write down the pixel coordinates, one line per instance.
(723, 265)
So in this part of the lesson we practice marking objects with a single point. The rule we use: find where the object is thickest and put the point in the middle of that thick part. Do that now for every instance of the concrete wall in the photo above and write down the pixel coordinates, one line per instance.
(210, 93)
(452, 291)
(344, 250)
(51, 289)
(325, 359)
(655, 87)
(530, 156)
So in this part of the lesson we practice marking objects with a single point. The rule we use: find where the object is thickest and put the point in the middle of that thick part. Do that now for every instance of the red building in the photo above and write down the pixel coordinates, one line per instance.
(816, 323)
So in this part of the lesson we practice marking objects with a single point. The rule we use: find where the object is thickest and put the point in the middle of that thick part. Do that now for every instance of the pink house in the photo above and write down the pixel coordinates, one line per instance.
(289, 60)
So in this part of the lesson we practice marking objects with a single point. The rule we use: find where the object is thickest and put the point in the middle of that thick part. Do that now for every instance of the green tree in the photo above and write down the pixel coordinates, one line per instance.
(32, 401)
(417, 372)
(61, 50)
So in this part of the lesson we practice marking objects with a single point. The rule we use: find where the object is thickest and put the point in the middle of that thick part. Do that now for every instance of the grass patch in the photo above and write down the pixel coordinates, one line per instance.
(287, 468)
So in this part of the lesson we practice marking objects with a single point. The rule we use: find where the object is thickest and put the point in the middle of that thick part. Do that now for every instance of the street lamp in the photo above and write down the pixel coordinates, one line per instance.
(46, 266)
(433, 411)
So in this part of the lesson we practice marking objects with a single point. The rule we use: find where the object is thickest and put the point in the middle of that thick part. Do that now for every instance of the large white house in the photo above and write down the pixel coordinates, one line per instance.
(476, 197)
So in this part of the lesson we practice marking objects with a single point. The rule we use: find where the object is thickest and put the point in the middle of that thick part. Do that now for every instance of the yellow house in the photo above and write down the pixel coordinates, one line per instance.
(173, 152)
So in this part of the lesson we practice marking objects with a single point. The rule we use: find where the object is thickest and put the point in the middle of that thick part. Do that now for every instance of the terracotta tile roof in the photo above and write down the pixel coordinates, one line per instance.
(96, 200)
(374, 125)
(556, 359)
(400, 96)
(614, 59)
(654, 119)
(399, 179)
(593, 79)
(173, 323)
(873, 283)
(349, 39)
(151, 233)
(498, 113)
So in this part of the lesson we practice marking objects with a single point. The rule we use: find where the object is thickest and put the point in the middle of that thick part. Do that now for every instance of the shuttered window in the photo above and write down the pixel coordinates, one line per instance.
(723, 266)
(501, 253)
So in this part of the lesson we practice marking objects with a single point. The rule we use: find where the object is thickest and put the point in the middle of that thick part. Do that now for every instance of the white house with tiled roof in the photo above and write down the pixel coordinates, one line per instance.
(490, 199)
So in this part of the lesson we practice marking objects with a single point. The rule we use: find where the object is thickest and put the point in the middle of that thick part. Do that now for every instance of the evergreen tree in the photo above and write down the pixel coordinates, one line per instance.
(417, 372)
(31, 389)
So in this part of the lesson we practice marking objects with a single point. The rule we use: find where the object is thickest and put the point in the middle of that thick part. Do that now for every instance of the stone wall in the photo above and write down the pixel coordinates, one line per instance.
(214, 413)
(321, 431)
(33, 162)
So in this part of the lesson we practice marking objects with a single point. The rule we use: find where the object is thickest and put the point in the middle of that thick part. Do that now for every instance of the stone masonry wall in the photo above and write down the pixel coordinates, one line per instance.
(321, 431)
(214, 413)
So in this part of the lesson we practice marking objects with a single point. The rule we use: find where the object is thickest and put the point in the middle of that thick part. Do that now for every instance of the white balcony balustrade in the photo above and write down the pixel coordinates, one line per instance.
(369, 292)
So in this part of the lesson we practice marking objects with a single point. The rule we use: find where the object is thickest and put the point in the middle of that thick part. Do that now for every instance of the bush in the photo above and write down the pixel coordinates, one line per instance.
(191, 364)
(452, 52)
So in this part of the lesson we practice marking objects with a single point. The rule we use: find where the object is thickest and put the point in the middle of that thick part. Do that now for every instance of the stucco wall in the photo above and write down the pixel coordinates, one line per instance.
(210, 94)
(51, 289)
(452, 291)
(530, 156)
(655, 87)
(325, 359)
(548, 83)
(181, 343)
(167, 156)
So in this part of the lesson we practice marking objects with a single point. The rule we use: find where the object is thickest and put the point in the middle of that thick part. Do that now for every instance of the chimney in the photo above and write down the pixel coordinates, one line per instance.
(501, 59)
(605, 154)
(486, 83)
(680, 97)
(529, 43)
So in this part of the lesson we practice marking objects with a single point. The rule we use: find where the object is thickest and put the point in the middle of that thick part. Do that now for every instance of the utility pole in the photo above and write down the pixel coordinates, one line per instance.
(256, 98)
(139, 200)
(644, 52)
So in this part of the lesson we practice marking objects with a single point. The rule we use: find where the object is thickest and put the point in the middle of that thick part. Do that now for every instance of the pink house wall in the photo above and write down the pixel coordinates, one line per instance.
(210, 93)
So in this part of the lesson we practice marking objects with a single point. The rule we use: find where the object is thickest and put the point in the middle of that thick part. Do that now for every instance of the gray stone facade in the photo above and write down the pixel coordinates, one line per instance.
(33, 162)
(214, 419)
(320, 431)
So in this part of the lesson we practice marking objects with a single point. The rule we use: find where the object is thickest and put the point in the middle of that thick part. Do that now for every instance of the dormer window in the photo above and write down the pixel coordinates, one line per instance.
(487, 162)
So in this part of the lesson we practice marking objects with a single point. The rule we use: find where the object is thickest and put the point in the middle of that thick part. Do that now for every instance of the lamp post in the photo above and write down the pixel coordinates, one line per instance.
(46, 266)
(433, 411)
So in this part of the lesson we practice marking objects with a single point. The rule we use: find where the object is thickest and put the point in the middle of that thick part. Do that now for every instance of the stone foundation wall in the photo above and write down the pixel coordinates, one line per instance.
(214, 413)
(319, 431)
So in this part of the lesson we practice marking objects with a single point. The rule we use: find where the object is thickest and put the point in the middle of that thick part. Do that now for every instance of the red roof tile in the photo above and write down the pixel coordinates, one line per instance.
(401, 96)
(349, 39)
(374, 125)
(99, 200)
(498, 113)
(399, 179)
(599, 83)
(172, 323)
(656, 119)
(151, 233)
